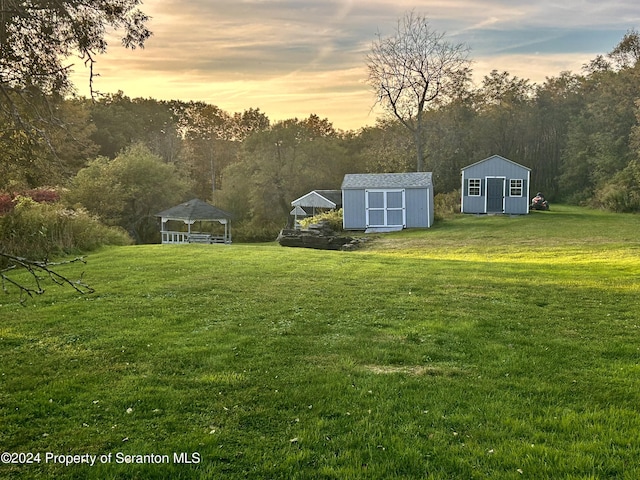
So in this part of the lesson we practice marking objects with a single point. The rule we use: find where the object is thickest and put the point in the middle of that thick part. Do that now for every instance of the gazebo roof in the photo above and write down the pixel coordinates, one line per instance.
(194, 210)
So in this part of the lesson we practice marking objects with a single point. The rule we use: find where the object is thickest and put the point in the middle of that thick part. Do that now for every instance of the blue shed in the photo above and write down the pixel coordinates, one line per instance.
(495, 185)
(387, 201)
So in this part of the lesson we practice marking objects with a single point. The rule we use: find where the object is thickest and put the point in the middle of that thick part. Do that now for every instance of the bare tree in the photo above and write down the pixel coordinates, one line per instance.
(410, 69)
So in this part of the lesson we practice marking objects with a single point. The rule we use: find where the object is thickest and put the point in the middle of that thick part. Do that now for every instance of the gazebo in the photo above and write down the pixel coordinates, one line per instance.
(178, 223)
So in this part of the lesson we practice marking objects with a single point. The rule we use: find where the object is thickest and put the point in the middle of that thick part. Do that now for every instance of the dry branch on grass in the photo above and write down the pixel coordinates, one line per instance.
(39, 270)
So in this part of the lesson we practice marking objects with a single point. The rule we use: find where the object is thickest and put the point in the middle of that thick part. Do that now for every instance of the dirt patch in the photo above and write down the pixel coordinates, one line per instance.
(416, 370)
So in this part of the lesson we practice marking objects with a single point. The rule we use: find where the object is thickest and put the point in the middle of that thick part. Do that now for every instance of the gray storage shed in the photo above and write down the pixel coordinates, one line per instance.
(495, 185)
(387, 201)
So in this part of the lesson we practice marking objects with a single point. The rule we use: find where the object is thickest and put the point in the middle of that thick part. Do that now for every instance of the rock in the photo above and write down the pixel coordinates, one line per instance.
(318, 236)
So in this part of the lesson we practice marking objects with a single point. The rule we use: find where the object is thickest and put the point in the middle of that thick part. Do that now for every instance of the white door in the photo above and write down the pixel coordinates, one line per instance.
(385, 208)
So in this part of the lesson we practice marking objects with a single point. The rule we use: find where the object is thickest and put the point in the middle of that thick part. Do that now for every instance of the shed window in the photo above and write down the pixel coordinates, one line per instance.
(474, 187)
(515, 187)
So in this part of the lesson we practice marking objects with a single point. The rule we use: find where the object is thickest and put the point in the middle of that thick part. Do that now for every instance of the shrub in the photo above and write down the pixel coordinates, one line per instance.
(446, 205)
(254, 232)
(622, 193)
(128, 190)
(6, 203)
(43, 195)
(40, 230)
(39, 195)
(332, 217)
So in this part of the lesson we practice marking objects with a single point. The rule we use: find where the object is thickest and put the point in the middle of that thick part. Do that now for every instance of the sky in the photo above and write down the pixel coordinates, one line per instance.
(293, 58)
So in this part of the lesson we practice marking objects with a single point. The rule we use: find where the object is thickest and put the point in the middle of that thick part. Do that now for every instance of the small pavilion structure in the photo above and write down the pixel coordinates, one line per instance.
(195, 221)
(315, 202)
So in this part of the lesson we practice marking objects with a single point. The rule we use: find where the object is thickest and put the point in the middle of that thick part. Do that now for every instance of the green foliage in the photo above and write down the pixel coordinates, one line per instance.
(121, 121)
(622, 193)
(386, 148)
(577, 133)
(429, 354)
(598, 144)
(129, 190)
(42, 230)
(278, 165)
(43, 138)
(255, 232)
(42, 151)
(38, 37)
(333, 218)
(445, 205)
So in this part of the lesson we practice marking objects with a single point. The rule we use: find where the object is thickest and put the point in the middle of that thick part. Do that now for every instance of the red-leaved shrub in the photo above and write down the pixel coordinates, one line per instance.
(6, 203)
(38, 195)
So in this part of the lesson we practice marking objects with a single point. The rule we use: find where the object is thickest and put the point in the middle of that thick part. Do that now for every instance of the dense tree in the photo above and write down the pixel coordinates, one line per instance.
(129, 190)
(280, 164)
(556, 102)
(450, 141)
(503, 103)
(410, 70)
(598, 136)
(387, 147)
(121, 121)
(37, 38)
(207, 133)
(28, 162)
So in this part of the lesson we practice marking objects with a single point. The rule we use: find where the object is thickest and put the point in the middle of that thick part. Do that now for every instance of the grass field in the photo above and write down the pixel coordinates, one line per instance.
(485, 347)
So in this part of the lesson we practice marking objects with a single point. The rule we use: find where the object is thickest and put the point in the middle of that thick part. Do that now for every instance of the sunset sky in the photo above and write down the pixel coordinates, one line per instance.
(291, 58)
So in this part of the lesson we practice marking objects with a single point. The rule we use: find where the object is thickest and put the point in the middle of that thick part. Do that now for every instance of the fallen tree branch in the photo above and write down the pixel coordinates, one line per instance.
(39, 270)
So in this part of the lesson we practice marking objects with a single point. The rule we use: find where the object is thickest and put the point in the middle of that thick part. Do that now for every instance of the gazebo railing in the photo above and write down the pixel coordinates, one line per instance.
(175, 237)
(185, 237)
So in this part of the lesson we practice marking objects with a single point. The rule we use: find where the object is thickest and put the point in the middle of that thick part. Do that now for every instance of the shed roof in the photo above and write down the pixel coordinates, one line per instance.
(494, 157)
(319, 198)
(387, 180)
(195, 209)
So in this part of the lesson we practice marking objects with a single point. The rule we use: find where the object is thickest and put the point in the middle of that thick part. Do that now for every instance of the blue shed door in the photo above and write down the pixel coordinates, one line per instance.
(495, 195)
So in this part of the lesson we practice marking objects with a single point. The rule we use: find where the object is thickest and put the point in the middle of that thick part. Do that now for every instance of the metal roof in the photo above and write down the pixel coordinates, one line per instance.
(194, 209)
(387, 180)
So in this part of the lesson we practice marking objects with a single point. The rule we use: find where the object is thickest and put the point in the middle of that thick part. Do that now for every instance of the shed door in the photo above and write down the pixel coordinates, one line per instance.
(495, 195)
(385, 208)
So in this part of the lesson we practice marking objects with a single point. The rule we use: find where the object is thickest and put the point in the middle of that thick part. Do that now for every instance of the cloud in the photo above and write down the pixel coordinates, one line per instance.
(295, 57)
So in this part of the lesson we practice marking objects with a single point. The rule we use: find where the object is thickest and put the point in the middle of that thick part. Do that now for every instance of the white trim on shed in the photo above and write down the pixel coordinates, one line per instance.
(481, 191)
(387, 200)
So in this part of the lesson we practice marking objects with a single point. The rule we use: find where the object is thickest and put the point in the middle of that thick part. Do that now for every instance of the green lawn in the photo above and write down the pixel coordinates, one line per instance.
(485, 347)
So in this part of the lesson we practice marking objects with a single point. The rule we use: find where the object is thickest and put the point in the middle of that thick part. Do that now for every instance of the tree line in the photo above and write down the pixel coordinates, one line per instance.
(124, 159)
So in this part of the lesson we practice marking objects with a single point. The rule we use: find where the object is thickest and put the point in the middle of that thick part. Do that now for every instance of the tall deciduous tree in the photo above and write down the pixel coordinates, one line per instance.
(410, 70)
(37, 39)
(129, 190)
(38, 36)
(278, 165)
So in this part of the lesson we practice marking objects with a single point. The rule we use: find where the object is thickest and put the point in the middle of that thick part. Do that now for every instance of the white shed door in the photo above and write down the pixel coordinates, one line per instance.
(385, 208)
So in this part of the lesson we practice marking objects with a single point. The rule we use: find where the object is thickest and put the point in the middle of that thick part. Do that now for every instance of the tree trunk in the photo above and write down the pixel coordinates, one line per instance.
(419, 150)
